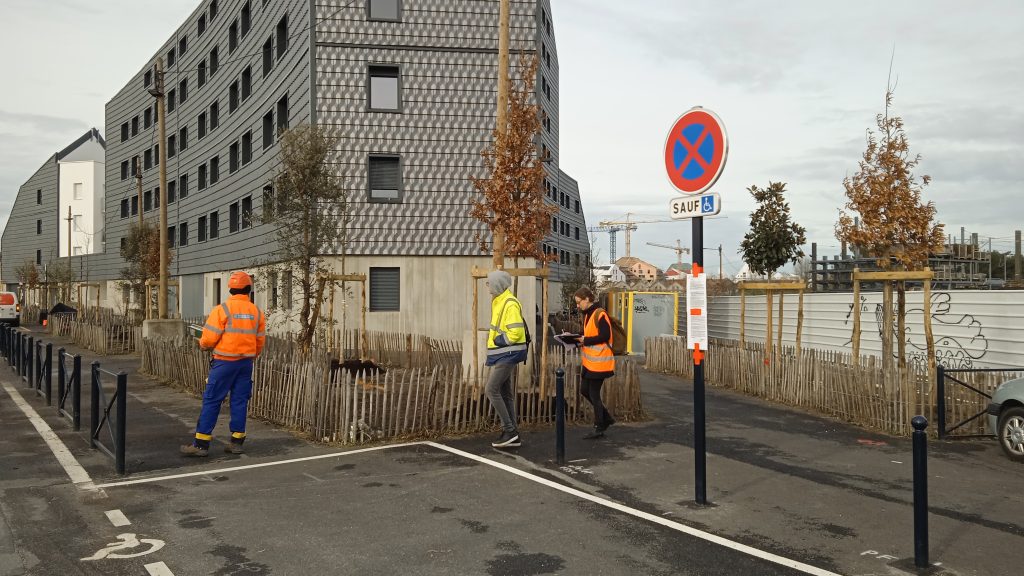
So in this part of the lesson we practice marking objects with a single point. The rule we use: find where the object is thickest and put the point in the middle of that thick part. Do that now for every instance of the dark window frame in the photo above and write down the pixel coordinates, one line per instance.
(369, 12)
(375, 303)
(379, 68)
(369, 181)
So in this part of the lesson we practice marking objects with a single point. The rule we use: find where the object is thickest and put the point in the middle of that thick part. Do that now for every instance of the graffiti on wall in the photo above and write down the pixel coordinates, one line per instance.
(959, 338)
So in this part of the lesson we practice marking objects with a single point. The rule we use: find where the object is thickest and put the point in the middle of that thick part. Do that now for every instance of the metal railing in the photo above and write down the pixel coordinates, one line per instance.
(43, 371)
(116, 422)
(942, 375)
(69, 383)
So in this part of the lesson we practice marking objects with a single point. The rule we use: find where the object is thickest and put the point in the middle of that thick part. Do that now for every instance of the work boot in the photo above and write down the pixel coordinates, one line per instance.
(234, 448)
(193, 450)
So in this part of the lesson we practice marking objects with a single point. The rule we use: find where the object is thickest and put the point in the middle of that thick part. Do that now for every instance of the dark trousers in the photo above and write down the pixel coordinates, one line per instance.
(226, 377)
(590, 388)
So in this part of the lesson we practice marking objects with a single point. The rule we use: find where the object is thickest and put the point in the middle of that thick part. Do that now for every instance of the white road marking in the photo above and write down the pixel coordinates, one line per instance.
(158, 569)
(79, 477)
(117, 518)
(260, 465)
(312, 477)
(768, 556)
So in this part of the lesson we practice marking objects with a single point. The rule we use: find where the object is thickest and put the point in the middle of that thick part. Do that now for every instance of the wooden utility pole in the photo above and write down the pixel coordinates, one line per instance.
(138, 182)
(69, 219)
(158, 92)
(502, 128)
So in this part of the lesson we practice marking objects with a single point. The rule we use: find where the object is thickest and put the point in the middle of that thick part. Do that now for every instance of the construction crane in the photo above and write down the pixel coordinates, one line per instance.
(678, 248)
(612, 232)
(628, 225)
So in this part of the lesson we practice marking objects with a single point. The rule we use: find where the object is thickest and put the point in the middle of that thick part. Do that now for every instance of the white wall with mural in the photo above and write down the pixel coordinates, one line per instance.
(972, 328)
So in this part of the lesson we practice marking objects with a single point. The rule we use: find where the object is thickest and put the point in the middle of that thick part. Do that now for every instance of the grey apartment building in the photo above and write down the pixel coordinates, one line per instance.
(409, 89)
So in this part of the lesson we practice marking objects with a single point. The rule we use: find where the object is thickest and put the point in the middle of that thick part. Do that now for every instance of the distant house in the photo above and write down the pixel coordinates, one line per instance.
(677, 271)
(639, 269)
(609, 274)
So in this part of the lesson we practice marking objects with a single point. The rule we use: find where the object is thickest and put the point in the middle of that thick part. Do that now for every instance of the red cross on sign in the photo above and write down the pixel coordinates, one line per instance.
(695, 151)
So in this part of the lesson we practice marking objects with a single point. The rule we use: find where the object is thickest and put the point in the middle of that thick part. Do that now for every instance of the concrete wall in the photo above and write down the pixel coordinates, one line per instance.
(971, 328)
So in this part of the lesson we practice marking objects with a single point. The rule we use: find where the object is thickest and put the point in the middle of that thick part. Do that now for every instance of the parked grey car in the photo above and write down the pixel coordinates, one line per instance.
(1006, 417)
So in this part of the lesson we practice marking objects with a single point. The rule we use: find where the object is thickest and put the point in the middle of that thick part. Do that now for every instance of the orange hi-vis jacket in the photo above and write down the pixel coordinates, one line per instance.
(236, 329)
(599, 357)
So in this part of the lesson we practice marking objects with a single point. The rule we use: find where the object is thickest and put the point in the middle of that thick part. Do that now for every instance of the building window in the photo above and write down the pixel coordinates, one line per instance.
(246, 82)
(214, 170)
(147, 201)
(135, 205)
(214, 116)
(172, 57)
(148, 80)
(233, 157)
(577, 206)
(202, 229)
(183, 90)
(124, 208)
(233, 97)
(213, 9)
(171, 234)
(214, 61)
(39, 193)
(247, 147)
(135, 165)
(202, 24)
(387, 10)
(171, 100)
(39, 227)
(183, 234)
(172, 191)
(233, 36)
(124, 132)
(39, 256)
(183, 137)
(287, 289)
(246, 19)
(172, 146)
(202, 73)
(384, 88)
(385, 179)
(216, 291)
(214, 225)
(268, 203)
(147, 159)
(268, 129)
(147, 118)
(282, 36)
(554, 225)
(202, 125)
(183, 186)
(577, 229)
(202, 176)
(272, 282)
(385, 289)
(282, 114)
(124, 171)
(135, 126)
(268, 56)
(233, 217)
(247, 212)
(182, 45)
(76, 190)
(156, 154)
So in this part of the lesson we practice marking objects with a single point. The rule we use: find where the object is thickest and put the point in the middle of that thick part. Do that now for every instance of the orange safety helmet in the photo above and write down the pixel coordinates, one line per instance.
(239, 280)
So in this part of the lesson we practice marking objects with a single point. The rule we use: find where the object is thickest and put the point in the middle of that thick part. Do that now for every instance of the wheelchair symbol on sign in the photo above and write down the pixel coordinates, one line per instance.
(127, 541)
(707, 205)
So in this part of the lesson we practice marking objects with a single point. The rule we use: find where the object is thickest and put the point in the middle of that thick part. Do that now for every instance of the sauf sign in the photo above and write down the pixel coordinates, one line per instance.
(692, 206)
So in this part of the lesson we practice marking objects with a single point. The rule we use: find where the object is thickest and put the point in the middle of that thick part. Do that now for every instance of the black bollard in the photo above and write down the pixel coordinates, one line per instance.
(920, 491)
(560, 416)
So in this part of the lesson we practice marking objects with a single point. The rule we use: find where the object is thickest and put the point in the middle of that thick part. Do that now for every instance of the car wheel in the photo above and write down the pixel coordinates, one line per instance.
(1011, 432)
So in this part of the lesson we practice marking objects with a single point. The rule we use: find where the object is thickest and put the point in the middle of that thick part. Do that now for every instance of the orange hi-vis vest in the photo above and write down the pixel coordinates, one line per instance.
(599, 357)
(236, 329)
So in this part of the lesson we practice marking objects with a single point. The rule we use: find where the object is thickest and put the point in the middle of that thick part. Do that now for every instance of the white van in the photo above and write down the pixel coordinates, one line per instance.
(10, 310)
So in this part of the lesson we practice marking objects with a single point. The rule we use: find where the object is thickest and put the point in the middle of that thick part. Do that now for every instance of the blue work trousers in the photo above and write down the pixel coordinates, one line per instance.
(226, 376)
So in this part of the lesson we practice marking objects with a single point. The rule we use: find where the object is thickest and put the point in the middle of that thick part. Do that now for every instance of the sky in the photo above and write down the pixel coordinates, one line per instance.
(797, 84)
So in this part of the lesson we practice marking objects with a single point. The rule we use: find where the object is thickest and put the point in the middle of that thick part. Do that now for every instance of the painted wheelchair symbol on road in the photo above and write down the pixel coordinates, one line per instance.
(127, 541)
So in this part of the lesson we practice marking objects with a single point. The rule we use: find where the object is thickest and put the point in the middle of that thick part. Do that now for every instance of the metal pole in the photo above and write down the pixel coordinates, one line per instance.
(95, 401)
(29, 369)
(920, 491)
(940, 408)
(48, 367)
(122, 415)
(560, 416)
(76, 392)
(699, 426)
(61, 375)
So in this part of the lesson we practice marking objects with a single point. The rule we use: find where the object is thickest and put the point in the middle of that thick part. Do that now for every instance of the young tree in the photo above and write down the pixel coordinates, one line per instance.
(60, 272)
(310, 207)
(896, 227)
(141, 254)
(774, 238)
(513, 193)
(28, 276)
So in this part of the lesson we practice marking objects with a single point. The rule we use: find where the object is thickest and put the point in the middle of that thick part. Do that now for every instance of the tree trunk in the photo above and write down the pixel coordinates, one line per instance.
(887, 327)
(901, 341)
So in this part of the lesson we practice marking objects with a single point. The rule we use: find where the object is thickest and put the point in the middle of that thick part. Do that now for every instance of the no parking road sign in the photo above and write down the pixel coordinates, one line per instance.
(695, 151)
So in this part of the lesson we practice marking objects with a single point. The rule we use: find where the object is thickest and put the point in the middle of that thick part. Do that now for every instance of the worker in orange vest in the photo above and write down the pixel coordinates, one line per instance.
(236, 332)
(596, 357)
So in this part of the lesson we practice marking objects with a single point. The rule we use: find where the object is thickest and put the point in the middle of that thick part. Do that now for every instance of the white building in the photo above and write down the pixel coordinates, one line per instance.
(80, 176)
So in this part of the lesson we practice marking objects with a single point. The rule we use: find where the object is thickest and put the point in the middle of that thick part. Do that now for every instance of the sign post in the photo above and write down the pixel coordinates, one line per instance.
(695, 154)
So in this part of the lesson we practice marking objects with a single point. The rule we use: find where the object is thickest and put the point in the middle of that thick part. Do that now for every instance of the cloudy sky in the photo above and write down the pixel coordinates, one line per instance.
(797, 83)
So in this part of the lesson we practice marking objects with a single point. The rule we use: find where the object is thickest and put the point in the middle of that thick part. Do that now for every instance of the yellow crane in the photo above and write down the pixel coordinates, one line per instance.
(628, 225)
(678, 248)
